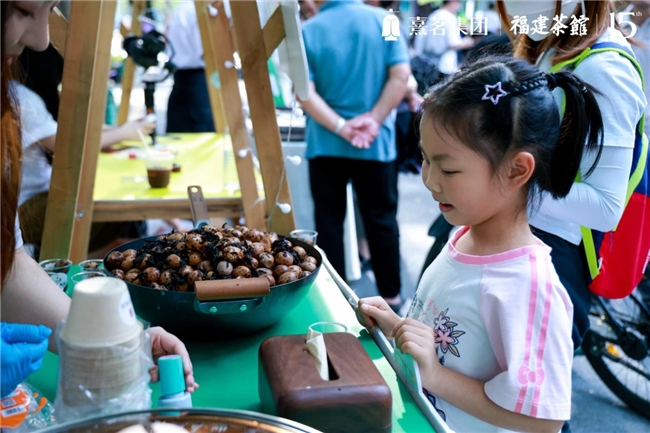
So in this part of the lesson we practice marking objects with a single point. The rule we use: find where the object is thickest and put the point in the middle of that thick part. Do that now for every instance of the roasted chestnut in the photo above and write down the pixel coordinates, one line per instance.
(266, 260)
(287, 277)
(241, 272)
(166, 277)
(284, 258)
(308, 266)
(119, 273)
(296, 269)
(257, 249)
(279, 270)
(224, 268)
(300, 251)
(173, 261)
(151, 274)
(194, 258)
(114, 259)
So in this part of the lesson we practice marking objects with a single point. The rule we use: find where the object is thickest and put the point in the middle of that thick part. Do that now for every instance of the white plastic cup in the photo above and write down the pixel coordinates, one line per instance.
(101, 314)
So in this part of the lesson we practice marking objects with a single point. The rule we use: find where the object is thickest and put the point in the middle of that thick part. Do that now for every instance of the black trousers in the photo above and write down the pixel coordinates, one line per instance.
(570, 264)
(376, 186)
(188, 109)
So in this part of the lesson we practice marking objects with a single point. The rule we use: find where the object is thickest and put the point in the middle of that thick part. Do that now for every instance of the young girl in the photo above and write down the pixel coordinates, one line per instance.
(490, 324)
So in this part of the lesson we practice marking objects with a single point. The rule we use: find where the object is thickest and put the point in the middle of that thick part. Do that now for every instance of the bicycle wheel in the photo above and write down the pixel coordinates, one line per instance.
(624, 367)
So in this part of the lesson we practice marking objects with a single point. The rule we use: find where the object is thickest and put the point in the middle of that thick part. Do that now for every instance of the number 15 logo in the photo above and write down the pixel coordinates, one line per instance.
(623, 22)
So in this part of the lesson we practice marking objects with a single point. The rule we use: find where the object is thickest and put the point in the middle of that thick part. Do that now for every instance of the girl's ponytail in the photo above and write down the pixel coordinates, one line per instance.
(582, 126)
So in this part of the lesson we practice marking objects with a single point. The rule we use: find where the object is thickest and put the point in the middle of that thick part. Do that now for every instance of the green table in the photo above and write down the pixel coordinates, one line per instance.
(122, 191)
(227, 370)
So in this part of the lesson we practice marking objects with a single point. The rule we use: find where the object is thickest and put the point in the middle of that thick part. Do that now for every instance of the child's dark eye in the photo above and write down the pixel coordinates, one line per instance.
(449, 172)
(25, 13)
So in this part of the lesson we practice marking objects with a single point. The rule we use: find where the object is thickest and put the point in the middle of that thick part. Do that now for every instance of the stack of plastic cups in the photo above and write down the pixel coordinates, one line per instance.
(104, 358)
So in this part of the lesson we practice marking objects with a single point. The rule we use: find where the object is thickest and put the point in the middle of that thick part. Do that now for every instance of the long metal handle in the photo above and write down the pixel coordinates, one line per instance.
(198, 207)
(386, 348)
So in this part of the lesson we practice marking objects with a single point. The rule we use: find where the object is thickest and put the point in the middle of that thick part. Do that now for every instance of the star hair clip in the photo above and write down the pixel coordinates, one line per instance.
(493, 92)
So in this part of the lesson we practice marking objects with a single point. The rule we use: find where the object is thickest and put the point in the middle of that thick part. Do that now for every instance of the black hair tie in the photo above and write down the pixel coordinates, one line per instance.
(552, 81)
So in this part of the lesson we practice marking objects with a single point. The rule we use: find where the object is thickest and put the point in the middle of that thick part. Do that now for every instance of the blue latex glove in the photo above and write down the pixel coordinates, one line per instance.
(22, 351)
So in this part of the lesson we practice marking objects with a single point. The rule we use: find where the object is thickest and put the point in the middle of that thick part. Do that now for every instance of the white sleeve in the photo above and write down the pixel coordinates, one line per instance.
(36, 122)
(529, 328)
(598, 201)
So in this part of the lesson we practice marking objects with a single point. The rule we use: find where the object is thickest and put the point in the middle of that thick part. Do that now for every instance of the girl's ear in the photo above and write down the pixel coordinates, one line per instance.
(522, 166)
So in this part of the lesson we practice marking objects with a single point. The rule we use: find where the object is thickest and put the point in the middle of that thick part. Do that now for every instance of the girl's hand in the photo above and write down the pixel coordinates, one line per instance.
(417, 340)
(375, 311)
(163, 343)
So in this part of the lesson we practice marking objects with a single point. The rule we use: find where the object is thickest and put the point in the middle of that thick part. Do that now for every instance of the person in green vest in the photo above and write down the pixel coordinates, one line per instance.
(598, 201)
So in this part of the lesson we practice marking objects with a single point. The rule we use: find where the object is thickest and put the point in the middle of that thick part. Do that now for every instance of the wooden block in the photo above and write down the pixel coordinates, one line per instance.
(355, 399)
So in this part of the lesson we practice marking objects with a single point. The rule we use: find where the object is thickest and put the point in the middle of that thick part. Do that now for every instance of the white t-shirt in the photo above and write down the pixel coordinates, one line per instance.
(185, 38)
(598, 201)
(504, 319)
(36, 124)
(438, 42)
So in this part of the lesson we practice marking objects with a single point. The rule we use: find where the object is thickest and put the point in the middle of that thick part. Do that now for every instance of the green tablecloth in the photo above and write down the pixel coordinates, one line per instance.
(206, 159)
(228, 370)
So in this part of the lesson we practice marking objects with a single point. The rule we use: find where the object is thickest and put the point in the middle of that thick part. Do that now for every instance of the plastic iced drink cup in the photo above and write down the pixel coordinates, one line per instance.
(159, 167)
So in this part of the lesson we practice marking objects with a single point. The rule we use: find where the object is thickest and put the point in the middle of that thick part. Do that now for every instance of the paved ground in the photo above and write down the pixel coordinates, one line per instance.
(595, 408)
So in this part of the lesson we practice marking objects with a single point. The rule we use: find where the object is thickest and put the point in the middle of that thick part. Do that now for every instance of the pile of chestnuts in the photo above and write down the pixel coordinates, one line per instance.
(177, 260)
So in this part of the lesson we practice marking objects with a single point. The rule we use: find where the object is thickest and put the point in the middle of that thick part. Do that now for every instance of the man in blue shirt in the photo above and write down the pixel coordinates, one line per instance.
(357, 79)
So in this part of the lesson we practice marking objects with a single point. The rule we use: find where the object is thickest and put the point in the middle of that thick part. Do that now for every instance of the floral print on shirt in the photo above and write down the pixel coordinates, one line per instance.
(446, 335)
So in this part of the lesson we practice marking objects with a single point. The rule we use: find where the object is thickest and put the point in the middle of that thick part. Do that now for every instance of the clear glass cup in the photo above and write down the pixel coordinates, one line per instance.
(307, 236)
(84, 275)
(92, 265)
(56, 265)
(326, 327)
(60, 279)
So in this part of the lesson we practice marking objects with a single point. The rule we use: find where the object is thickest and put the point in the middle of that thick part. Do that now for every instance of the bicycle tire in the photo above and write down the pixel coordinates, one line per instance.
(604, 358)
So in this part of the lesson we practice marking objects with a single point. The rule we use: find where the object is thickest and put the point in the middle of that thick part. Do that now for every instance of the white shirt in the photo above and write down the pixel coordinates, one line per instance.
(643, 57)
(438, 42)
(185, 38)
(504, 319)
(36, 124)
(598, 202)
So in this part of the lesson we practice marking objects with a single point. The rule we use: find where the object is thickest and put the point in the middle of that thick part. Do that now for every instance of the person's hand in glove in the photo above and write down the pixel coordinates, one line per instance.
(22, 351)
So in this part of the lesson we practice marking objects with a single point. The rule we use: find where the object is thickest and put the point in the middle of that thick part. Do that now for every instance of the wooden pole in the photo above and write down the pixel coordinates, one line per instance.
(85, 87)
(129, 65)
(253, 53)
(58, 31)
(218, 29)
(214, 90)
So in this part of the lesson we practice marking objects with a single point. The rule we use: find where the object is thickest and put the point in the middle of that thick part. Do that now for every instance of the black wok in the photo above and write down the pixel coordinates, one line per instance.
(181, 313)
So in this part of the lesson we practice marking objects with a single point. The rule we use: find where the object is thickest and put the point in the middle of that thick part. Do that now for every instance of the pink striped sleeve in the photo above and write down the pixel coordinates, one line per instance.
(528, 316)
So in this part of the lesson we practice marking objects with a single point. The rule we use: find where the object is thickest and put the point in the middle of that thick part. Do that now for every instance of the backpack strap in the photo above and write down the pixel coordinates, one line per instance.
(637, 173)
